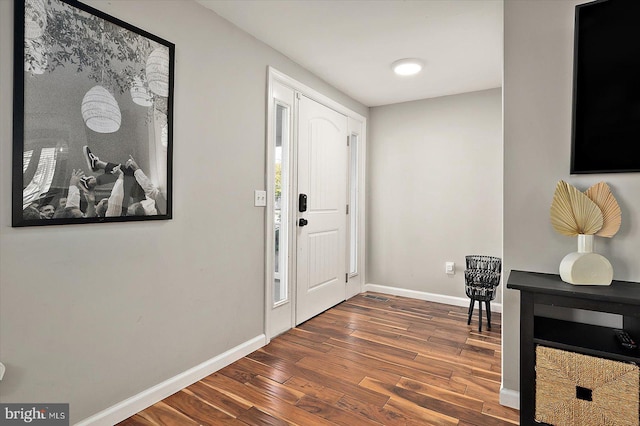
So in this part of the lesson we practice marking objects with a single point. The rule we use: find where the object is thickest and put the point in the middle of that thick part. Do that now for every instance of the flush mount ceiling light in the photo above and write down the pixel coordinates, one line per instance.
(409, 66)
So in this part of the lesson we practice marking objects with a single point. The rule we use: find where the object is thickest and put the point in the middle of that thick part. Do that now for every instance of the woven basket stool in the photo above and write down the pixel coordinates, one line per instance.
(481, 278)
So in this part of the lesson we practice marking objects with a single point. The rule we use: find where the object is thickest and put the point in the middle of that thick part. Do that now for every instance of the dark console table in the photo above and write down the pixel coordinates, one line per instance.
(621, 297)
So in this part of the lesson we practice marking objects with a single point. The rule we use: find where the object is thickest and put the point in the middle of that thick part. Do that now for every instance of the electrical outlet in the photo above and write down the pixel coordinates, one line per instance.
(450, 268)
(259, 198)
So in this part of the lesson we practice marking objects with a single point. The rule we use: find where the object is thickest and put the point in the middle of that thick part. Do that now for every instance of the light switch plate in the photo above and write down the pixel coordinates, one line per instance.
(260, 198)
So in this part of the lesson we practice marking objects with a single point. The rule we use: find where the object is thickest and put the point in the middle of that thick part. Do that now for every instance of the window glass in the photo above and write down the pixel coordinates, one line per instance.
(280, 203)
(353, 205)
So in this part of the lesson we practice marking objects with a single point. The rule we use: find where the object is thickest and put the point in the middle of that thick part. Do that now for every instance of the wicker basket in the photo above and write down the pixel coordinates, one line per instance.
(576, 389)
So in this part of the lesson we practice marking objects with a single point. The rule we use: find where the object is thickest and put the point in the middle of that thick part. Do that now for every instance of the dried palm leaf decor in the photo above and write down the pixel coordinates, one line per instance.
(602, 196)
(573, 213)
(595, 212)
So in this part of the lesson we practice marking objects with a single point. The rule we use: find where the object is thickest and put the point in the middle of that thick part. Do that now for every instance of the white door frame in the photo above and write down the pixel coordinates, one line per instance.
(357, 124)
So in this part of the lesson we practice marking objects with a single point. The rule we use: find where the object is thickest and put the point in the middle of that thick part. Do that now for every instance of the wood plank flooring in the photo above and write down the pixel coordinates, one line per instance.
(372, 360)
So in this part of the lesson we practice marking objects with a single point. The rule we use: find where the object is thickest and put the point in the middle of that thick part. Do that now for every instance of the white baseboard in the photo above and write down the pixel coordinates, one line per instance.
(130, 406)
(510, 398)
(423, 295)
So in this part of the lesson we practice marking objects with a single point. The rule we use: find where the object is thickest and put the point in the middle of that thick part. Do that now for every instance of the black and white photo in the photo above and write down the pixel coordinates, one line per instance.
(92, 117)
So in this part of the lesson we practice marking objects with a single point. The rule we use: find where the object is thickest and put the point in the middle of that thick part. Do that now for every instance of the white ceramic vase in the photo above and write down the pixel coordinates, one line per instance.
(585, 267)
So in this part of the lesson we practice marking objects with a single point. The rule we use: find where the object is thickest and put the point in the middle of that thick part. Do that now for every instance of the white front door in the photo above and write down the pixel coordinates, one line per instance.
(322, 177)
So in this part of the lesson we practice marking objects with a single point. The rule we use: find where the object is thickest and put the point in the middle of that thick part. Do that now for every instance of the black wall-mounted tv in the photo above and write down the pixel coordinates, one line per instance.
(606, 87)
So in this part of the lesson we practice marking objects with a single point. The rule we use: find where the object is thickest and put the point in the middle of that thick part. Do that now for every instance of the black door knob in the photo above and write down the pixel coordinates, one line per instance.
(303, 222)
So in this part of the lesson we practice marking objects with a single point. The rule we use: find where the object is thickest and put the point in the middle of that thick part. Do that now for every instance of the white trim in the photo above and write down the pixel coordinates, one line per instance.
(275, 314)
(314, 94)
(356, 281)
(130, 406)
(510, 398)
(423, 295)
(268, 212)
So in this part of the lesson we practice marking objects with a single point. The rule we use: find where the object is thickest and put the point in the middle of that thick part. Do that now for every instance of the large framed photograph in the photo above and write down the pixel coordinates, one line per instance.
(93, 99)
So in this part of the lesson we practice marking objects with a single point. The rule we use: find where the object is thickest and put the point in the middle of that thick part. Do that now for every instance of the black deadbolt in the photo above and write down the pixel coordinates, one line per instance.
(302, 203)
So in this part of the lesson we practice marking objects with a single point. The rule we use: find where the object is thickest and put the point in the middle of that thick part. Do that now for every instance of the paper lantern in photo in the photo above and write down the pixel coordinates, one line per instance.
(100, 110)
(157, 71)
(35, 18)
(139, 93)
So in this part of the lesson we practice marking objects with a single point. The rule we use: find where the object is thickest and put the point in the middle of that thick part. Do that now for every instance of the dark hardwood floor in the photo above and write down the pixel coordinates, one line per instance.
(372, 360)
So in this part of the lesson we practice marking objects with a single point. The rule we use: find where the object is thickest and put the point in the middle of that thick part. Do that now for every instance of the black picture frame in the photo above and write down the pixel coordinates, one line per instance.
(93, 114)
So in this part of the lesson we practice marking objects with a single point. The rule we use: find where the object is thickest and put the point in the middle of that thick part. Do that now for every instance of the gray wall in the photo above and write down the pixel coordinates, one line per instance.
(94, 314)
(434, 189)
(538, 69)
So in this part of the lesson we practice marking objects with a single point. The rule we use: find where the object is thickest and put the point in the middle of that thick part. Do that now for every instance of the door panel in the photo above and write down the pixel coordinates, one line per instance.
(322, 176)
(323, 270)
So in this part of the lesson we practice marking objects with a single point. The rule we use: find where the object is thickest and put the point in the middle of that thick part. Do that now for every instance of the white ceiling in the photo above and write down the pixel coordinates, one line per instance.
(351, 43)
